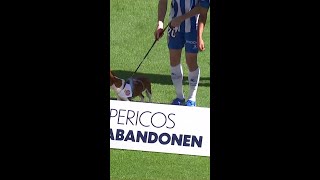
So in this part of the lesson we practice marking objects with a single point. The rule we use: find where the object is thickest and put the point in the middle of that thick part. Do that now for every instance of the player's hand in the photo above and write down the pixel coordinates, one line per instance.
(175, 22)
(201, 44)
(159, 31)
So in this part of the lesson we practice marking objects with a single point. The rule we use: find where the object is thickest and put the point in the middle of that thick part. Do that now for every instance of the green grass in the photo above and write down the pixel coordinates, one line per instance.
(135, 165)
(131, 27)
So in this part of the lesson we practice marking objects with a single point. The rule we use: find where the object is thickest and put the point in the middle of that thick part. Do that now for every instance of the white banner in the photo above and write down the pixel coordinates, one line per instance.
(160, 128)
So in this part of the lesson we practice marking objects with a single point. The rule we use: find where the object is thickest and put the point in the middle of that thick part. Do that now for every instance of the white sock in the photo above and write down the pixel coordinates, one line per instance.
(193, 78)
(177, 78)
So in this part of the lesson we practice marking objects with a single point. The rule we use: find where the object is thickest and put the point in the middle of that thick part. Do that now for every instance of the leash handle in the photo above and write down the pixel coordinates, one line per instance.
(149, 51)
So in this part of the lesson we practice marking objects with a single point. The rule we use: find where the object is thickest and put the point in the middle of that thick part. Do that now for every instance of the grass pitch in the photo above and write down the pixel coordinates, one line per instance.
(132, 24)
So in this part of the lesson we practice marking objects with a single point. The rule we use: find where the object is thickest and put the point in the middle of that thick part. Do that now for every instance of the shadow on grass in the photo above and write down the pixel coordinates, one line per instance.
(160, 78)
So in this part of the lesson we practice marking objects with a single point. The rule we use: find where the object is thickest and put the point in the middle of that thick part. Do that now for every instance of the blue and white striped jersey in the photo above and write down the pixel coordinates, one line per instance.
(205, 3)
(180, 7)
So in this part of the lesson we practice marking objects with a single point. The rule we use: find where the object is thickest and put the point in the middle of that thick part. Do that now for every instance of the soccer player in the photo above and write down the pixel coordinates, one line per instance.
(184, 35)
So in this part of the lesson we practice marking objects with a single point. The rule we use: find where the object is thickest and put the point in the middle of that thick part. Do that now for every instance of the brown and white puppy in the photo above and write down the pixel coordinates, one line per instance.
(140, 84)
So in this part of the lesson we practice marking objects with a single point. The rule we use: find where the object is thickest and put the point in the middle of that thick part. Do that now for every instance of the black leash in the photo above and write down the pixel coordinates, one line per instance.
(148, 52)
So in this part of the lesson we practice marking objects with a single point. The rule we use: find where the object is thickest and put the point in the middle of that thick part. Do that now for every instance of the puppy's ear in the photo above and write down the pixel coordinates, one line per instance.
(111, 74)
(111, 78)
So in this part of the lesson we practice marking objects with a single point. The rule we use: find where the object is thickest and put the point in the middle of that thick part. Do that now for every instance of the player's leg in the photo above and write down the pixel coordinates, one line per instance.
(175, 45)
(177, 75)
(194, 70)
